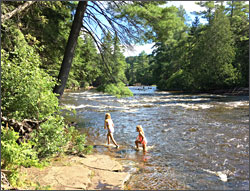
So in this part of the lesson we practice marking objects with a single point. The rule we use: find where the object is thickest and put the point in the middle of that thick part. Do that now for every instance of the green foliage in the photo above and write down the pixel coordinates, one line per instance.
(77, 142)
(179, 80)
(114, 64)
(211, 56)
(118, 90)
(212, 59)
(14, 155)
(208, 12)
(238, 13)
(39, 187)
(139, 69)
(51, 138)
(112, 79)
(26, 89)
(55, 138)
(157, 22)
(49, 23)
(86, 64)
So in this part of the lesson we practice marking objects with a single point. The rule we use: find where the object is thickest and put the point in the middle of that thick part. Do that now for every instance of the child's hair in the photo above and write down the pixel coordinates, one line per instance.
(107, 116)
(139, 127)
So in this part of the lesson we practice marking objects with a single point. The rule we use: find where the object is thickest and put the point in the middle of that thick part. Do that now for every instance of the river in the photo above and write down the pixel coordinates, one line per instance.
(196, 141)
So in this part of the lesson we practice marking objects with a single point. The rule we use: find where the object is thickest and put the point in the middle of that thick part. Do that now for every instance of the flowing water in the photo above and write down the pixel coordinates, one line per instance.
(196, 141)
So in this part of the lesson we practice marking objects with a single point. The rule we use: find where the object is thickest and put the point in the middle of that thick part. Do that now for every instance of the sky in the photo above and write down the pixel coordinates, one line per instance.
(189, 6)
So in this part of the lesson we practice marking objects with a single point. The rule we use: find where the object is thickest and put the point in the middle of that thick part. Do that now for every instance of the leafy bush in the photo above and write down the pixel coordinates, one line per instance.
(72, 83)
(14, 155)
(77, 141)
(50, 138)
(118, 90)
(27, 94)
(54, 138)
(26, 89)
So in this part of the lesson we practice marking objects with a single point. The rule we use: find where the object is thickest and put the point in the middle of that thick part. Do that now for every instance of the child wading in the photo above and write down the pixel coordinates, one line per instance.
(141, 138)
(108, 124)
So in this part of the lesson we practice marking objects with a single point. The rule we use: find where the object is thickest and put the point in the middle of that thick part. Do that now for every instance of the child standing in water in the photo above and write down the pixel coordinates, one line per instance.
(141, 138)
(108, 124)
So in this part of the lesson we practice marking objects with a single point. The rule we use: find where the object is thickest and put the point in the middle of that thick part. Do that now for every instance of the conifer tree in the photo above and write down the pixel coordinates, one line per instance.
(213, 56)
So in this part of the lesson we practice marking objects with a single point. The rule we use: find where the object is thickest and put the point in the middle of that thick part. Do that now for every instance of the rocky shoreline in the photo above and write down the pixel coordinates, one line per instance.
(91, 172)
(238, 91)
(232, 92)
(226, 92)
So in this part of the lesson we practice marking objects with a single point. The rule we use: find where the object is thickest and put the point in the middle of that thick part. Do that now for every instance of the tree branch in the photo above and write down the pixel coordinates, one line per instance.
(99, 48)
(17, 10)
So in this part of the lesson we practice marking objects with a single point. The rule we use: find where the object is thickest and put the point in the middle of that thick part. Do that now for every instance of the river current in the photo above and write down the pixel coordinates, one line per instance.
(195, 141)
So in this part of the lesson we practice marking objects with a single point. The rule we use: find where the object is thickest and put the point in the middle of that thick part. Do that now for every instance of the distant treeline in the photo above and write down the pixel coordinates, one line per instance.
(200, 57)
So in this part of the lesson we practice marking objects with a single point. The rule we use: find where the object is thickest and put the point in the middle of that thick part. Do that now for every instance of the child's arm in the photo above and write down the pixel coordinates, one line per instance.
(105, 125)
(142, 136)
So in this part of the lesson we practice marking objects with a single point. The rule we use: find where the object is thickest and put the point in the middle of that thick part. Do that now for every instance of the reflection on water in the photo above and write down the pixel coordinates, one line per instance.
(201, 141)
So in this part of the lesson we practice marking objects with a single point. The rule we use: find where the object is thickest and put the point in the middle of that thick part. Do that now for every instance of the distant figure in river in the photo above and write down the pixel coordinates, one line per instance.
(141, 138)
(108, 124)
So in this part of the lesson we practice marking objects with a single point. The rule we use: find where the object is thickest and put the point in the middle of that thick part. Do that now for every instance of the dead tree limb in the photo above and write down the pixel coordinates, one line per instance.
(24, 128)
(19, 9)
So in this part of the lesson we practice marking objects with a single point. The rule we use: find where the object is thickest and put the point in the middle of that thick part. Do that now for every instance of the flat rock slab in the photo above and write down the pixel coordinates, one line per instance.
(68, 177)
(94, 172)
(99, 162)
(106, 180)
(107, 173)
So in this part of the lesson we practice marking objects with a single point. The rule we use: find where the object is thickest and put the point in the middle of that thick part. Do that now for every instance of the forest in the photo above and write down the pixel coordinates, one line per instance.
(47, 47)
(199, 57)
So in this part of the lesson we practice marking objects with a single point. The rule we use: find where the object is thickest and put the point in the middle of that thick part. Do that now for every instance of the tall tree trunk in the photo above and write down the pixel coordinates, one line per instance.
(15, 11)
(70, 48)
(209, 15)
(232, 9)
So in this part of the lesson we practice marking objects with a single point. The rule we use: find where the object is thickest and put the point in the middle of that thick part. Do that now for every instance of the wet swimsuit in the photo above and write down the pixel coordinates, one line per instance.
(141, 140)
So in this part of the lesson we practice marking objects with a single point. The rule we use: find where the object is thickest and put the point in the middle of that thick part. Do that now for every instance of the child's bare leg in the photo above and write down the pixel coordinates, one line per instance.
(108, 138)
(113, 140)
(144, 146)
(137, 144)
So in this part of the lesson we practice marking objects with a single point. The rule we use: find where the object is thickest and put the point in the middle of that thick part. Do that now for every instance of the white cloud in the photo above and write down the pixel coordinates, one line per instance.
(138, 49)
(189, 6)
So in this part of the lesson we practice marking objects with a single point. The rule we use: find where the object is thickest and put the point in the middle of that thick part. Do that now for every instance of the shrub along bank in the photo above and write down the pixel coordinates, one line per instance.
(27, 94)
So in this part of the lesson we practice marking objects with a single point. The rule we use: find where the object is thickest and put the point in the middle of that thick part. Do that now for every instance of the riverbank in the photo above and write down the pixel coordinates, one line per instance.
(228, 92)
(79, 88)
(238, 91)
(90, 172)
(231, 92)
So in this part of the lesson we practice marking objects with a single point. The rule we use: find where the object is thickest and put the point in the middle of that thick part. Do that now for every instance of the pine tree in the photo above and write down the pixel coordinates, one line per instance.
(213, 56)
(86, 64)
(114, 60)
(238, 13)
(208, 13)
